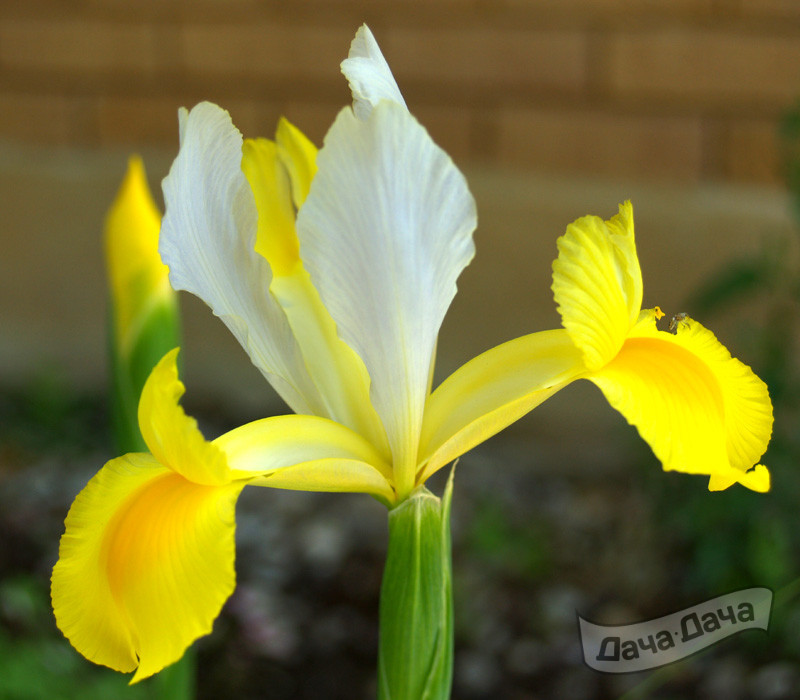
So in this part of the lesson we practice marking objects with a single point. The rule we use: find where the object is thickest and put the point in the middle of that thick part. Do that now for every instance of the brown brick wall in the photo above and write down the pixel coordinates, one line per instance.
(683, 90)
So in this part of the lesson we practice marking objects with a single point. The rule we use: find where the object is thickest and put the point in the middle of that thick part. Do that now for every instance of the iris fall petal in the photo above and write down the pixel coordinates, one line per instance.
(597, 284)
(145, 564)
(492, 391)
(699, 409)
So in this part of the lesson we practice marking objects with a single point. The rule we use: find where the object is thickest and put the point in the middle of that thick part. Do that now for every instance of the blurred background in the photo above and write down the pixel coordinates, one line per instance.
(553, 110)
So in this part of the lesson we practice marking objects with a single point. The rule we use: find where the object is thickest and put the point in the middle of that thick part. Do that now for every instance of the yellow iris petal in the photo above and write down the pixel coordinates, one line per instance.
(276, 239)
(307, 453)
(137, 276)
(276, 442)
(145, 564)
(298, 155)
(171, 435)
(746, 403)
(280, 176)
(335, 367)
(757, 479)
(333, 476)
(597, 284)
(701, 410)
(492, 391)
(147, 558)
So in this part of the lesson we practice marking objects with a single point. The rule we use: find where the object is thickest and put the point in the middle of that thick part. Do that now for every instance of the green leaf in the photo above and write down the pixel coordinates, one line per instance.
(415, 655)
(160, 332)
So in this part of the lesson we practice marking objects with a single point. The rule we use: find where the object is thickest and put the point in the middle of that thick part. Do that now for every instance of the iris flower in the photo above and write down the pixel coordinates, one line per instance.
(334, 270)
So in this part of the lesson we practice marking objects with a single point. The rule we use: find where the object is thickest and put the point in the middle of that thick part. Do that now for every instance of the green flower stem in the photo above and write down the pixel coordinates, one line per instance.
(415, 654)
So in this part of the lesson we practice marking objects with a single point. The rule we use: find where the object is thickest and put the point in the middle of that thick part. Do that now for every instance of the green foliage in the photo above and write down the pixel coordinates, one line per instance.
(45, 414)
(159, 333)
(38, 664)
(521, 550)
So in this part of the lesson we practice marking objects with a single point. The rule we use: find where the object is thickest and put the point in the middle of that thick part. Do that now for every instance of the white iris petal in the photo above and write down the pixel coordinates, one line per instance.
(369, 75)
(207, 241)
(385, 232)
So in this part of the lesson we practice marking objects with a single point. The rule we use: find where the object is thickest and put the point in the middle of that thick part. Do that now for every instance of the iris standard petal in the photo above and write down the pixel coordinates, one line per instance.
(337, 371)
(368, 74)
(299, 156)
(208, 241)
(145, 564)
(597, 284)
(701, 410)
(274, 170)
(276, 240)
(492, 391)
(384, 233)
